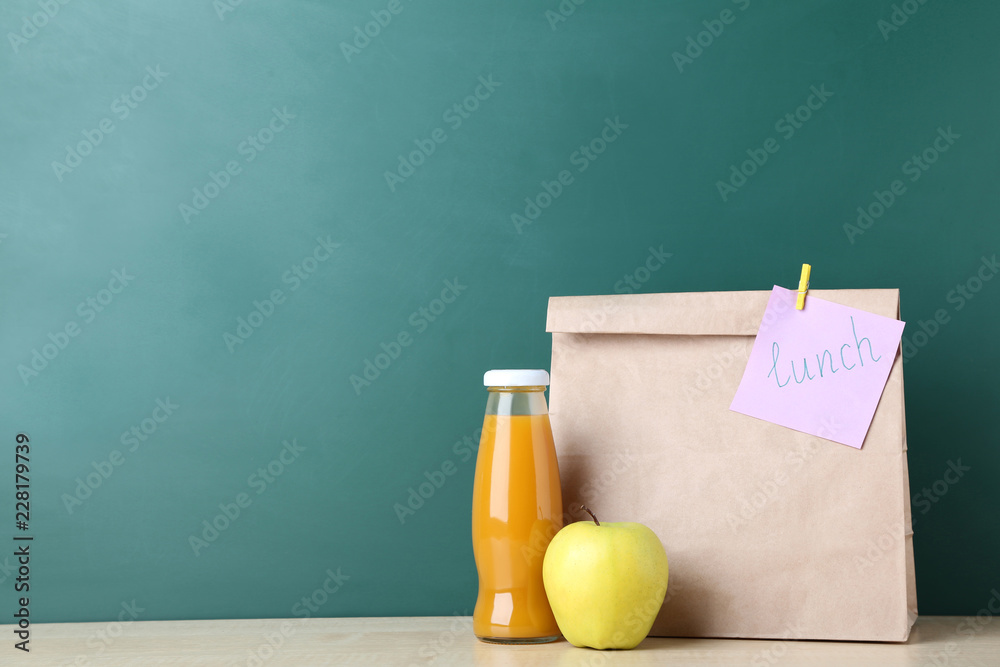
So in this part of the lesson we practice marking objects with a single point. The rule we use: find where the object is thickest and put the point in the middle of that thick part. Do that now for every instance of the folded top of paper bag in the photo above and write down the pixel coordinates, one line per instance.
(706, 313)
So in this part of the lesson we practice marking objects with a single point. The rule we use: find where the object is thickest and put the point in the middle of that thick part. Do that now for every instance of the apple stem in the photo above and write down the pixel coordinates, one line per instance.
(587, 510)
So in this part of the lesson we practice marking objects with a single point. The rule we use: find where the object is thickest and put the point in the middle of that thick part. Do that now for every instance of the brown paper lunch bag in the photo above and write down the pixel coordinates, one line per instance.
(769, 532)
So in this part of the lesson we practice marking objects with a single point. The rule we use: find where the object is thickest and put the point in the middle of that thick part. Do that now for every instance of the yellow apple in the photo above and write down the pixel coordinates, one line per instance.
(605, 582)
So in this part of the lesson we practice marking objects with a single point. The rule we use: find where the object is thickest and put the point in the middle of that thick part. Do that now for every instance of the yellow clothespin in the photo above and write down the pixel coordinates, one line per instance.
(803, 287)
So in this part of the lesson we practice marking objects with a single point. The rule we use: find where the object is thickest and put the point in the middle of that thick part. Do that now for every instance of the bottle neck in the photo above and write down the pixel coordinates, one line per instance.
(508, 401)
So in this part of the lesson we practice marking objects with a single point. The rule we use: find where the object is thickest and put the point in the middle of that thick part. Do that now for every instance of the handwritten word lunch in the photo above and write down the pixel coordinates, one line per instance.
(821, 359)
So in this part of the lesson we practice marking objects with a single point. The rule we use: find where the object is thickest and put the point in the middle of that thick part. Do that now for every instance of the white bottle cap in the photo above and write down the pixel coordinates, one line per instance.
(516, 378)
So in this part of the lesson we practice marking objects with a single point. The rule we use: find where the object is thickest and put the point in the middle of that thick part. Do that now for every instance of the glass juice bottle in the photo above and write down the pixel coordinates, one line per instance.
(516, 510)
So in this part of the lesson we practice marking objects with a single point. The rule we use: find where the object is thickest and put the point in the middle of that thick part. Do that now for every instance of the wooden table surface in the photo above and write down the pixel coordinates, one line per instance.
(935, 641)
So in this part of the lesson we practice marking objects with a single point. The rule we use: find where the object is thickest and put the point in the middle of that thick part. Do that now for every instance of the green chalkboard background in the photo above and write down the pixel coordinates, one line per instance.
(332, 112)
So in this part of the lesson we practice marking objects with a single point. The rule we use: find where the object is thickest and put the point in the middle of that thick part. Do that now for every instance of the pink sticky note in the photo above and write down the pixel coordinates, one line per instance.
(820, 370)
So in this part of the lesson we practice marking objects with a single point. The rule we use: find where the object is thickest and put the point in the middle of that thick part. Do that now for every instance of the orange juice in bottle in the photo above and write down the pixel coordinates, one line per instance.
(516, 510)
